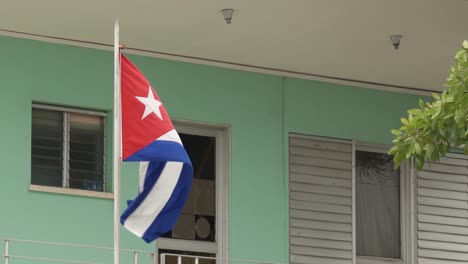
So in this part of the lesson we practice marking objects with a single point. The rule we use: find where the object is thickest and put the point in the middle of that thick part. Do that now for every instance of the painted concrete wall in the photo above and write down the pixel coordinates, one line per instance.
(330, 110)
(260, 109)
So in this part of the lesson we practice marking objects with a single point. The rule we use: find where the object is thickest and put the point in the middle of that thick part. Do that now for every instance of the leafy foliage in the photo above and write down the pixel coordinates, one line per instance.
(434, 128)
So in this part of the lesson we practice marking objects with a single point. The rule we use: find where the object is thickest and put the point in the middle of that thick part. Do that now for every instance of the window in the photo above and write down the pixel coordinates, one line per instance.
(67, 148)
(380, 207)
(201, 229)
(187, 260)
(197, 220)
(347, 203)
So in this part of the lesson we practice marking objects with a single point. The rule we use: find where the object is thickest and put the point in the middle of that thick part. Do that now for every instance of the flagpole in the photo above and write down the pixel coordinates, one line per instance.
(117, 144)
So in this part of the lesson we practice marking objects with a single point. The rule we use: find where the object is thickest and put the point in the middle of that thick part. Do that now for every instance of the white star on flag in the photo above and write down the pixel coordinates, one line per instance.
(152, 105)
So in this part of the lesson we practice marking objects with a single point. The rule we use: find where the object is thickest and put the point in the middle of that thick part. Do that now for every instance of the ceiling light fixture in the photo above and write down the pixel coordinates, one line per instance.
(395, 40)
(227, 14)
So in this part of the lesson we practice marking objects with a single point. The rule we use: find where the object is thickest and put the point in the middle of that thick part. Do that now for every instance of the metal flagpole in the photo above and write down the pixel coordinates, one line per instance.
(117, 144)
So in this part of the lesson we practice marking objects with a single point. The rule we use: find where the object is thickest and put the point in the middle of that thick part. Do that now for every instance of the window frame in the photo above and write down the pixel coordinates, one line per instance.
(405, 208)
(221, 246)
(65, 150)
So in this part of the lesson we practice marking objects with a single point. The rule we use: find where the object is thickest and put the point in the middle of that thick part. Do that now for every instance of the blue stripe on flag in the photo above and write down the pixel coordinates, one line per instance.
(161, 150)
(158, 154)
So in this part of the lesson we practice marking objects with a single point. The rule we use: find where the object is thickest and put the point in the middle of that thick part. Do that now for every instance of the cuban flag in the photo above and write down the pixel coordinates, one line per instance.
(149, 137)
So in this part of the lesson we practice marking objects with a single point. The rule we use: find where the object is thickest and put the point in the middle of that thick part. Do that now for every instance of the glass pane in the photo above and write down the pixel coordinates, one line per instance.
(186, 260)
(377, 206)
(46, 147)
(197, 221)
(86, 152)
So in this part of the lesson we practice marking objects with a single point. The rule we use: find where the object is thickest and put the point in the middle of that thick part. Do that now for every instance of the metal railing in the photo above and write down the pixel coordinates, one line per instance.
(8, 245)
(136, 254)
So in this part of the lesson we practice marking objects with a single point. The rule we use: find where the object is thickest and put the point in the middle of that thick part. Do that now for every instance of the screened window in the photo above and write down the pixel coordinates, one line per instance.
(67, 148)
(201, 229)
(378, 232)
(197, 221)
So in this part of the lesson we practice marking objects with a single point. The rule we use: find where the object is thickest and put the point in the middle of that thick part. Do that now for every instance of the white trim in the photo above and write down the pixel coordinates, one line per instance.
(104, 154)
(405, 210)
(376, 260)
(224, 183)
(378, 148)
(221, 246)
(320, 138)
(188, 245)
(413, 255)
(66, 150)
(198, 128)
(404, 213)
(223, 64)
(353, 195)
(76, 192)
(68, 109)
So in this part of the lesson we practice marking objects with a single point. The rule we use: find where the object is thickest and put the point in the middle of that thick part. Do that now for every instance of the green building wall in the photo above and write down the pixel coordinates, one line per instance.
(259, 109)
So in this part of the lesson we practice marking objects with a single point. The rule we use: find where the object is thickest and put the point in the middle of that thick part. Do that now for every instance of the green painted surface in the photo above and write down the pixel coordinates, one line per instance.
(57, 74)
(330, 110)
(252, 105)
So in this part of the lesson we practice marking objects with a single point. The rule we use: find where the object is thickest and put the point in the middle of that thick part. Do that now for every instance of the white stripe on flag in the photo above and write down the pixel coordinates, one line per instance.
(140, 220)
(171, 136)
(143, 169)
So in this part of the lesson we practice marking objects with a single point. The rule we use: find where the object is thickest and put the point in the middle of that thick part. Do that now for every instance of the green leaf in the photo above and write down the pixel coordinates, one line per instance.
(410, 151)
(429, 152)
(459, 54)
(458, 115)
(430, 131)
(448, 116)
(419, 163)
(421, 104)
(394, 150)
(444, 95)
(450, 98)
(438, 109)
(414, 111)
(417, 147)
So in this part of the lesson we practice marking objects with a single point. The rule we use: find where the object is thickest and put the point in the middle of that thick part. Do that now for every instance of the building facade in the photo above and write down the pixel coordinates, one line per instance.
(287, 170)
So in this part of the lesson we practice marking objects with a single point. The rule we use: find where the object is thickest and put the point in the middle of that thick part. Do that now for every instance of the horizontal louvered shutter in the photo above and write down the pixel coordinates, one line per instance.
(47, 148)
(320, 213)
(442, 219)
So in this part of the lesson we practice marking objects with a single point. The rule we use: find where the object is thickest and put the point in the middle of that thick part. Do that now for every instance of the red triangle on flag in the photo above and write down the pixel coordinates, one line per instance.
(144, 118)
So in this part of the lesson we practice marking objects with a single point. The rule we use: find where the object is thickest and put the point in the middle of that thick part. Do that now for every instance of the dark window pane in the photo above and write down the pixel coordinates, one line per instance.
(46, 147)
(197, 221)
(377, 206)
(86, 152)
(201, 150)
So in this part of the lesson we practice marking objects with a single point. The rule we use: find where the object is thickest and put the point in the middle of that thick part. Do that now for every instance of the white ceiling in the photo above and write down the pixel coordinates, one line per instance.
(339, 38)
